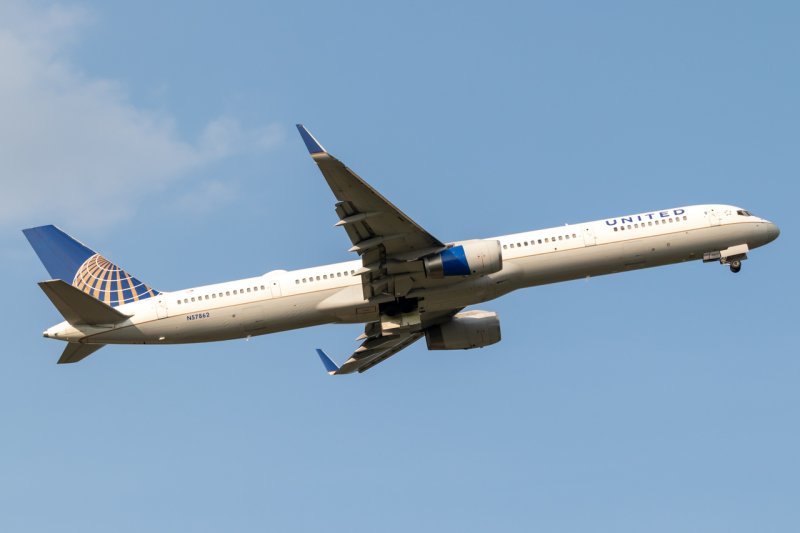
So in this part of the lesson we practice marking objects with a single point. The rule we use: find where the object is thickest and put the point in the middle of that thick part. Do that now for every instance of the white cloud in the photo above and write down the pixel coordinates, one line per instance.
(73, 147)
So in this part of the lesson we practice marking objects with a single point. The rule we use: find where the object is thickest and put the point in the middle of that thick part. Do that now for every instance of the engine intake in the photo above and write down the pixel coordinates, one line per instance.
(470, 258)
(473, 329)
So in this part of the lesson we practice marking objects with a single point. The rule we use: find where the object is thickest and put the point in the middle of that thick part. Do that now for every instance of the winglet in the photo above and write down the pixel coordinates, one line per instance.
(330, 366)
(311, 143)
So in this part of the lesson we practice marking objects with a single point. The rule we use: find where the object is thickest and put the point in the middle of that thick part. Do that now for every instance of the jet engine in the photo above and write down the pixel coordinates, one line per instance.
(470, 258)
(473, 329)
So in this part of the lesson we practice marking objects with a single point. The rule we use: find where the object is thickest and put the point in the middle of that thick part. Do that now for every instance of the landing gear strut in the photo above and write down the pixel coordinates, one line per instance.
(733, 256)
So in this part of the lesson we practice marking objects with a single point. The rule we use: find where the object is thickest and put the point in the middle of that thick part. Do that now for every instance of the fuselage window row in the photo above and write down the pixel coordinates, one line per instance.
(220, 295)
(533, 241)
(636, 226)
(324, 277)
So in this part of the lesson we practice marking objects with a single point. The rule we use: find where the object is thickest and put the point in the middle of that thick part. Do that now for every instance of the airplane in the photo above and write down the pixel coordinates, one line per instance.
(405, 285)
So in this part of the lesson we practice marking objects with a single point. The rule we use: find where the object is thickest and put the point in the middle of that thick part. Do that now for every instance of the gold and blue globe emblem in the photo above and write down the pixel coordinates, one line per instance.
(104, 280)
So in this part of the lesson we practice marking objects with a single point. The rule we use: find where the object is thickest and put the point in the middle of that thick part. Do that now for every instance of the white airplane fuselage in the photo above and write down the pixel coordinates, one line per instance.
(281, 300)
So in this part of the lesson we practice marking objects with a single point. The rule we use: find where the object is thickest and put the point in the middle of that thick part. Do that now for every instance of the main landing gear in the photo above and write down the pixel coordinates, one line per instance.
(736, 266)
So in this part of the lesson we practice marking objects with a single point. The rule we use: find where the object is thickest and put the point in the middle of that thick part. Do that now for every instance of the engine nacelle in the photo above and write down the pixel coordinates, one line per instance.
(470, 258)
(473, 329)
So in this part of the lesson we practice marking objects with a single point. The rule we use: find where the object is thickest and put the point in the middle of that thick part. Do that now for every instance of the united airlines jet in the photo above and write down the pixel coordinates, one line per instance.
(405, 285)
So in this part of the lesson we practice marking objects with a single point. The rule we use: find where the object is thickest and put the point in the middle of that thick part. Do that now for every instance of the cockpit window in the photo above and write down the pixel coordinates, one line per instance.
(744, 213)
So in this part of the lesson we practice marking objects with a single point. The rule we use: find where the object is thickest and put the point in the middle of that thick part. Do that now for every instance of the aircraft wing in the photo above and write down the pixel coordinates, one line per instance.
(368, 218)
(376, 227)
(378, 347)
(369, 355)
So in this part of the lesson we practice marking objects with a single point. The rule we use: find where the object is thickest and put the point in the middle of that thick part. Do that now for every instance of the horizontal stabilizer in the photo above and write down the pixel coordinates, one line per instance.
(75, 351)
(77, 307)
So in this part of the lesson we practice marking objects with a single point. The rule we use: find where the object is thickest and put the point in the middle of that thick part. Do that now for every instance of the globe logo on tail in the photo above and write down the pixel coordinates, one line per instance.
(102, 279)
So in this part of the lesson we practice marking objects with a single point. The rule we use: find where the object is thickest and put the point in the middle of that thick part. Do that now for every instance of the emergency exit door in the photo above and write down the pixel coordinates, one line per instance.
(275, 287)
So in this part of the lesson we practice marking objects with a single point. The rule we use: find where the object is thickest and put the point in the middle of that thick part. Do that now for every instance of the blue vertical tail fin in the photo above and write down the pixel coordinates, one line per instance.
(69, 260)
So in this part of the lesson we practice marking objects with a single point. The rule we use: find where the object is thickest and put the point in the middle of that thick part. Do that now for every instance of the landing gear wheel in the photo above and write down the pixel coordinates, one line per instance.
(736, 266)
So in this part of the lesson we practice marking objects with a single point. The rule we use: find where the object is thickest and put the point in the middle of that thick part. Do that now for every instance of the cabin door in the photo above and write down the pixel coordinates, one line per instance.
(713, 216)
(588, 234)
(275, 287)
(161, 306)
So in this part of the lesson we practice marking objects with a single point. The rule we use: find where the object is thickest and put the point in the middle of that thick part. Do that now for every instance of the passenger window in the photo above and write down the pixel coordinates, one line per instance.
(235, 293)
(559, 238)
(317, 278)
(192, 299)
(345, 272)
(206, 296)
(214, 295)
(338, 274)
(636, 225)
(179, 302)
(547, 240)
(304, 280)
(622, 228)
(228, 293)
(629, 226)
(615, 229)
(185, 301)
(573, 236)
(512, 244)
(684, 218)
(519, 245)
(567, 237)
(656, 222)
(325, 276)
(352, 272)
(670, 221)
(649, 223)
(540, 241)
(505, 247)
(220, 295)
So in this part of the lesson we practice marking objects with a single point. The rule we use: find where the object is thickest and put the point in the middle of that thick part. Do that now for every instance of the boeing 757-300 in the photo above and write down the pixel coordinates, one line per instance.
(405, 285)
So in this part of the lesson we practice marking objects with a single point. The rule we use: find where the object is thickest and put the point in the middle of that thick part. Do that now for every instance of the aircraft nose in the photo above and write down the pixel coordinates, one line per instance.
(772, 232)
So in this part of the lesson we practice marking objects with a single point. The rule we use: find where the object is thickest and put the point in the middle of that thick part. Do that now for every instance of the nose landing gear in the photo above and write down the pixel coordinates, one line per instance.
(732, 257)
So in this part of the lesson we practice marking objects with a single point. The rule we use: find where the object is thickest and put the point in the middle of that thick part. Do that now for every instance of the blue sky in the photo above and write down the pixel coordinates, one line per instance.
(163, 137)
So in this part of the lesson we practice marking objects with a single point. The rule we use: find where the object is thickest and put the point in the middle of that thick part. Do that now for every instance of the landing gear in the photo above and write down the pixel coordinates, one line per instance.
(733, 257)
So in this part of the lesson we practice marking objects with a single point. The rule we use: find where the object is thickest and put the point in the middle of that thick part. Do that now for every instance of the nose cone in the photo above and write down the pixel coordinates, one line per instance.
(772, 232)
